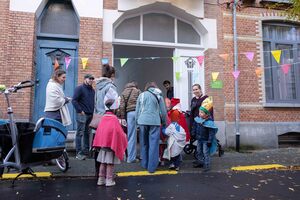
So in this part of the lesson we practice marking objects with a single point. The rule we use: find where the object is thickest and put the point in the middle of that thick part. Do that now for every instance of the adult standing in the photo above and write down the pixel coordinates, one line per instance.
(104, 85)
(150, 114)
(128, 102)
(56, 100)
(83, 102)
(169, 88)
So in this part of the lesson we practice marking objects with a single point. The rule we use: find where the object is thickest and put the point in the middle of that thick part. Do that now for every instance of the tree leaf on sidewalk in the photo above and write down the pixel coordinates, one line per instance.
(292, 189)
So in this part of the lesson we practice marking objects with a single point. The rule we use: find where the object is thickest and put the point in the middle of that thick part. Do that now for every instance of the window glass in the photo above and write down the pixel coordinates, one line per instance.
(129, 29)
(59, 18)
(187, 34)
(268, 71)
(158, 27)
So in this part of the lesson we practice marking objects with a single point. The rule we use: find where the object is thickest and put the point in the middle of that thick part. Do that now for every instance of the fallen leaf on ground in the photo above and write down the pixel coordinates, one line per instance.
(292, 189)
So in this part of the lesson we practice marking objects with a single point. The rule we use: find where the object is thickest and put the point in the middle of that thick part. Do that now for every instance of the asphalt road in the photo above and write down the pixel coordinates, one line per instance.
(223, 185)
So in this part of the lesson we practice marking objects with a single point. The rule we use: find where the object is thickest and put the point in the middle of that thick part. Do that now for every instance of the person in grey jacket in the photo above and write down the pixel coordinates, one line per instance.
(150, 115)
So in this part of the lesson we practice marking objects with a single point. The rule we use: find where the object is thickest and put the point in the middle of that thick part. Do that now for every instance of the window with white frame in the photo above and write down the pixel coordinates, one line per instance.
(282, 87)
(157, 27)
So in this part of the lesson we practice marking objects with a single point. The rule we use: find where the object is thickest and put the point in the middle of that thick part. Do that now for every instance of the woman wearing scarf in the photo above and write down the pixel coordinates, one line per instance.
(56, 101)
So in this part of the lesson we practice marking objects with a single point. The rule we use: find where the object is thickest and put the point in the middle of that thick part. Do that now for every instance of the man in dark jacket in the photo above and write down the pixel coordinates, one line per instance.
(169, 88)
(83, 102)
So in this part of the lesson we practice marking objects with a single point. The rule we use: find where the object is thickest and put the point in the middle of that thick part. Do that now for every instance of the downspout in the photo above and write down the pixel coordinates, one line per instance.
(236, 83)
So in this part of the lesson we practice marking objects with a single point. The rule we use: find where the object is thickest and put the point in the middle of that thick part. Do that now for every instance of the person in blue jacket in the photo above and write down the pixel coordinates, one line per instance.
(150, 115)
(204, 130)
(83, 102)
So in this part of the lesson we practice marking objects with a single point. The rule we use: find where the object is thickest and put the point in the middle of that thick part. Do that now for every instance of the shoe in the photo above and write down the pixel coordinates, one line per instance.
(198, 165)
(172, 166)
(80, 157)
(110, 183)
(133, 161)
(101, 181)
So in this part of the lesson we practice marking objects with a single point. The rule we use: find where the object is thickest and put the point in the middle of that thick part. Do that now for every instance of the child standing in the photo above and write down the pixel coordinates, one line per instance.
(112, 141)
(176, 140)
(204, 130)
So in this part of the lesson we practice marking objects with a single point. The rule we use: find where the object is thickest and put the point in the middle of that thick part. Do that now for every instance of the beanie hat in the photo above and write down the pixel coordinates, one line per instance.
(207, 105)
(174, 115)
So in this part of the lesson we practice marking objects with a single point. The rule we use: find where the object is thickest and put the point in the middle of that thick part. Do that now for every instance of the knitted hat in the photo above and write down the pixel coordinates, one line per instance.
(207, 105)
(174, 115)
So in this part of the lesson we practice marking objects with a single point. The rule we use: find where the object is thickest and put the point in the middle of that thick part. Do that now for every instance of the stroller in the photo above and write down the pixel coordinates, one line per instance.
(25, 144)
(191, 147)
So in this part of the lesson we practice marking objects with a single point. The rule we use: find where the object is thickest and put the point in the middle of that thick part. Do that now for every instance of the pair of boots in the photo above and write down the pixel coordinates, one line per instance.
(106, 175)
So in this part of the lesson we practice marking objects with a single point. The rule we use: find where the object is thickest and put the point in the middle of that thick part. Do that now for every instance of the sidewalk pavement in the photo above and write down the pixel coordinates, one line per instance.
(286, 156)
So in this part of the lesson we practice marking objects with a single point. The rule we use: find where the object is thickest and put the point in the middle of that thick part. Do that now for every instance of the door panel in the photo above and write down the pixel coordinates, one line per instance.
(47, 53)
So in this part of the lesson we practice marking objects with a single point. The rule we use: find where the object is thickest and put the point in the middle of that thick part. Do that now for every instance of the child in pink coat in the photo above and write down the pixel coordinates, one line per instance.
(112, 141)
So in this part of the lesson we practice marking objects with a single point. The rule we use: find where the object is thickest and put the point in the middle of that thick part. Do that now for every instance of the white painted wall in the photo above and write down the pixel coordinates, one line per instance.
(84, 8)
(210, 39)
(109, 18)
(194, 7)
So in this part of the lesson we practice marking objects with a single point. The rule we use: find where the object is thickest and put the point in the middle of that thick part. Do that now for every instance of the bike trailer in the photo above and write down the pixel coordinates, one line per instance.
(50, 136)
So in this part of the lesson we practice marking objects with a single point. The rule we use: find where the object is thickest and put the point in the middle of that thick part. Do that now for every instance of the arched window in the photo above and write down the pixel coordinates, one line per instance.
(157, 27)
(59, 19)
(282, 87)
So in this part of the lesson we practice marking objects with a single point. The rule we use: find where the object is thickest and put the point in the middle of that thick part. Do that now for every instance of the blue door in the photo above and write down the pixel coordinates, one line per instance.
(49, 53)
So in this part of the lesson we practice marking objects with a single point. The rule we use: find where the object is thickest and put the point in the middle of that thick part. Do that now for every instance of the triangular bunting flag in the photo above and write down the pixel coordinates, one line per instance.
(177, 75)
(214, 75)
(175, 58)
(104, 61)
(56, 65)
(258, 71)
(224, 56)
(123, 61)
(236, 74)
(285, 68)
(276, 54)
(200, 59)
(249, 55)
(84, 62)
(67, 61)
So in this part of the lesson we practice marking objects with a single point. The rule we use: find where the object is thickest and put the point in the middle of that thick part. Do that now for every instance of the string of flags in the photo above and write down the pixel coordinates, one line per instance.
(215, 83)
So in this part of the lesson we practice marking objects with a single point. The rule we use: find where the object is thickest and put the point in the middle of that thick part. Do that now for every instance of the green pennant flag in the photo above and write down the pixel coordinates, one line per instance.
(177, 75)
(175, 58)
(218, 84)
(123, 61)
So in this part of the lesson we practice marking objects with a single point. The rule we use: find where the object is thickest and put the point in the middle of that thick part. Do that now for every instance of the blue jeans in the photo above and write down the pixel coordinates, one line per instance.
(84, 130)
(131, 134)
(203, 153)
(149, 142)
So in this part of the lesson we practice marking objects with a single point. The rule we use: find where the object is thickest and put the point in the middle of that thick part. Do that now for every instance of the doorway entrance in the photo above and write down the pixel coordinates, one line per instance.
(144, 64)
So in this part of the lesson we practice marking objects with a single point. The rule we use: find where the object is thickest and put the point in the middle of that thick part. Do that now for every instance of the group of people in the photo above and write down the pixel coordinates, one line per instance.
(155, 118)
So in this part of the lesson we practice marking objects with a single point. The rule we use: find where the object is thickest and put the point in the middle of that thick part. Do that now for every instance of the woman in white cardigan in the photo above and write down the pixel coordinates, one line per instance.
(56, 100)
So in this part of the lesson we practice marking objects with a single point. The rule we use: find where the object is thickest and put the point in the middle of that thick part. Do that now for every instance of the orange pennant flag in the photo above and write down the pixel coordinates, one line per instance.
(56, 64)
(258, 71)
(224, 56)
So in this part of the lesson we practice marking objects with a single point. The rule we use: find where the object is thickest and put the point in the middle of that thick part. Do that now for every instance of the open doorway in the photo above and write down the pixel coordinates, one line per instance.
(145, 64)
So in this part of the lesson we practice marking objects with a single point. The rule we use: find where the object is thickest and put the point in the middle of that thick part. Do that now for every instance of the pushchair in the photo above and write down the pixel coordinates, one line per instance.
(25, 144)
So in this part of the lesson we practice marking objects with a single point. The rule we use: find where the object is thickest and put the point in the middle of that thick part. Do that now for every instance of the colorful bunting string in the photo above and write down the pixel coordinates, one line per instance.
(84, 62)
(236, 74)
(123, 61)
(200, 60)
(285, 68)
(276, 54)
(67, 62)
(215, 75)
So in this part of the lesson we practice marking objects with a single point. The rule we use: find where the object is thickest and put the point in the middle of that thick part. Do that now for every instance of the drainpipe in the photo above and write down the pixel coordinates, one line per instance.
(236, 83)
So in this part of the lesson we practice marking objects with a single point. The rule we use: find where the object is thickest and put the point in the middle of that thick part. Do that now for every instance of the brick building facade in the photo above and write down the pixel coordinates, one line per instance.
(260, 121)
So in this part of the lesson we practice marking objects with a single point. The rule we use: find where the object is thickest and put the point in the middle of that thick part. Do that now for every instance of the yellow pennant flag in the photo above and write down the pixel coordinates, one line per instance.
(214, 75)
(84, 62)
(276, 54)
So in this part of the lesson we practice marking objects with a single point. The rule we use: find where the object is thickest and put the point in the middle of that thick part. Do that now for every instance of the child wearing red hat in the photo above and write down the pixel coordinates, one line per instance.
(176, 140)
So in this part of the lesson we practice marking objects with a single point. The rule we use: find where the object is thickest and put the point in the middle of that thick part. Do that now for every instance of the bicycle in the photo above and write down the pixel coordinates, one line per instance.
(25, 144)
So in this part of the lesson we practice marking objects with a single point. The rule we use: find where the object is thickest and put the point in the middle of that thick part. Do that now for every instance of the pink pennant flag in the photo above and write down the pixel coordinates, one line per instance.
(200, 59)
(236, 74)
(285, 68)
(249, 55)
(67, 61)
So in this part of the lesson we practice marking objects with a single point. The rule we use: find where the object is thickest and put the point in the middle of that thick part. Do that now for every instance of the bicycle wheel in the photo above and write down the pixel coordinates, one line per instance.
(63, 162)
(188, 149)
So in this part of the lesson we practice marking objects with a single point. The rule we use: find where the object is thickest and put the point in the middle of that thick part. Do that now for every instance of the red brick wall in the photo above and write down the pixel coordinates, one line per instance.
(110, 4)
(90, 46)
(249, 87)
(18, 59)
